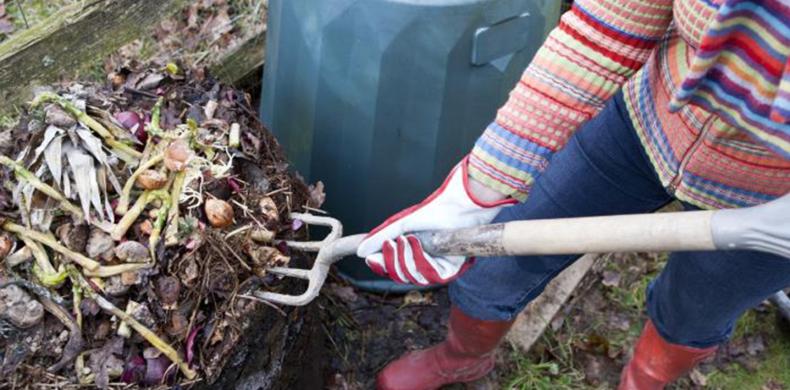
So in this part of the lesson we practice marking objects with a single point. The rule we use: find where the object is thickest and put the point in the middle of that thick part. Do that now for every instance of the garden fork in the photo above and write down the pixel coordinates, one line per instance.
(763, 228)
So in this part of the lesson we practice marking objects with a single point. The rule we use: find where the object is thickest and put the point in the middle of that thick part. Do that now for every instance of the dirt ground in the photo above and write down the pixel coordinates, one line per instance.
(585, 346)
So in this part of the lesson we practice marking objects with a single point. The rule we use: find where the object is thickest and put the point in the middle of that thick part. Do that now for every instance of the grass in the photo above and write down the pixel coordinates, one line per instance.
(557, 361)
(543, 376)
(33, 11)
(774, 366)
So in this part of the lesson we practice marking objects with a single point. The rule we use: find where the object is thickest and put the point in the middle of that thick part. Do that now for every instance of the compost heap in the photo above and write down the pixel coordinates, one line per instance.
(137, 218)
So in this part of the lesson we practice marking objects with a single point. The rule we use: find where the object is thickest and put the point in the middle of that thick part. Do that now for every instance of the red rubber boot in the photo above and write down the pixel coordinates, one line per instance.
(656, 362)
(466, 355)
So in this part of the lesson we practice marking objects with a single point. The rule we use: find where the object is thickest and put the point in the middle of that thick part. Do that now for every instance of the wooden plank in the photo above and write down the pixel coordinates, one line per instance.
(65, 42)
(533, 320)
(242, 62)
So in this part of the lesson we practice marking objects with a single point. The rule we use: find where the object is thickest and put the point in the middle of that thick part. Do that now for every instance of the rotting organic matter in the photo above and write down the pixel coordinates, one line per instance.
(135, 251)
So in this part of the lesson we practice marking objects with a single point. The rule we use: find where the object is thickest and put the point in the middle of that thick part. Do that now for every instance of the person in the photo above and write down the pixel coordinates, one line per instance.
(627, 106)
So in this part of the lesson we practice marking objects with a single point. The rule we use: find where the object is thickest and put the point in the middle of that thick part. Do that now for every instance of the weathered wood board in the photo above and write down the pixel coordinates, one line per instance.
(533, 320)
(63, 43)
(242, 62)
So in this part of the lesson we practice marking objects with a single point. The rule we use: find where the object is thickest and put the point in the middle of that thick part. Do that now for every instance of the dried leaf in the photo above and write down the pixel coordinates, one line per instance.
(698, 378)
(53, 156)
(49, 134)
(210, 109)
(96, 193)
(418, 298)
(150, 81)
(82, 170)
(101, 176)
(611, 278)
(167, 289)
(345, 293)
(56, 116)
(6, 26)
(593, 370)
(317, 195)
(93, 145)
(104, 363)
(100, 245)
(19, 308)
(755, 345)
(772, 384)
(132, 252)
(66, 185)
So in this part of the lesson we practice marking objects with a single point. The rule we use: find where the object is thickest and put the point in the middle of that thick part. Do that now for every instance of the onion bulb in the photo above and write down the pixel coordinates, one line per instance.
(6, 244)
(219, 213)
(177, 155)
(151, 180)
(133, 122)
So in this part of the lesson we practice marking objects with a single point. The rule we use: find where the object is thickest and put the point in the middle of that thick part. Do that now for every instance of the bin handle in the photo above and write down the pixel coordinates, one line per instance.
(499, 39)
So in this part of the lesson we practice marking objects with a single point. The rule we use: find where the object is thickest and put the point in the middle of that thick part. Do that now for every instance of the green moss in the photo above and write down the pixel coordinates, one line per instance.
(543, 375)
(556, 362)
(749, 324)
(774, 362)
(7, 121)
(34, 10)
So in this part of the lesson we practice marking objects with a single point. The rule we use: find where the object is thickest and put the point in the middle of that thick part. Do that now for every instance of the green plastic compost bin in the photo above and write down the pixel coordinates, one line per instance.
(380, 98)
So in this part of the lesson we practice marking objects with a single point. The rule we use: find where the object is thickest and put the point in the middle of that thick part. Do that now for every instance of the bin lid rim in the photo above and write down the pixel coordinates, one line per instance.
(436, 3)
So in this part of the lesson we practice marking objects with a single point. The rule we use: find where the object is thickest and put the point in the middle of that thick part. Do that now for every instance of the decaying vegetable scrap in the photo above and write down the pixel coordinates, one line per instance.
(136, 217)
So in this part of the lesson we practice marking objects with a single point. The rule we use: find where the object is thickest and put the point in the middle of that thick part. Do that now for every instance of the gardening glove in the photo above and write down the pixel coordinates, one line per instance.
(390, 251)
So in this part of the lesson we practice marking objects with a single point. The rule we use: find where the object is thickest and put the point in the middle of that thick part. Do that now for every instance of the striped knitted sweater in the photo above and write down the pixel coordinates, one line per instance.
(706, 84)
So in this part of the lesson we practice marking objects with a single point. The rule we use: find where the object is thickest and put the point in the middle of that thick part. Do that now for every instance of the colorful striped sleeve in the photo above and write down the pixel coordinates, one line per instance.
(741, 71)
(593, 51)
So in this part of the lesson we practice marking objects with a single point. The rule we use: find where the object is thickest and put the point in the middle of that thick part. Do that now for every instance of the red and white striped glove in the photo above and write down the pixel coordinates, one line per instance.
(390, 251)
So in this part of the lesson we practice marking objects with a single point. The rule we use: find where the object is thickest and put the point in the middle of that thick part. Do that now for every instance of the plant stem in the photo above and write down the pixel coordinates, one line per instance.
(147, 334)
(75, 344)
(106, 271)
(175, 195)
(153, 128)
(48, 97)
(48, 190)
(43, 270)
(234, 138)
(156, 231)
(40, 255)
(125, 152)
(82, 260)
(123, 201)
(131, 215)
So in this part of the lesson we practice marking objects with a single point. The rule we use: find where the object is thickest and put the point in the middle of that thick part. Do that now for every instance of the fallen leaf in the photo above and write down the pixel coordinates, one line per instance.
(698, 378)
(557, 322)
(132, 252)
(167, 289)
(150, 81)
(345, 293)
(596, 343)
(620, 321)
(317, 195)
(415, 297)
(593, 370)
(104, 363)
(772, 384)
(755, 345)
(610, 278)
(89, 307)
(6, 26)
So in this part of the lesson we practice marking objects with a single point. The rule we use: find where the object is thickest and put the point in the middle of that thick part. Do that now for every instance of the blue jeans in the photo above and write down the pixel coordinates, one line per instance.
(604, 170)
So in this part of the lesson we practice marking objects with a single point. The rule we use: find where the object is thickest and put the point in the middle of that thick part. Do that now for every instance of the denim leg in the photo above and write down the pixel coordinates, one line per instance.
(602, 170)
(698, 297)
